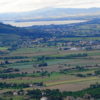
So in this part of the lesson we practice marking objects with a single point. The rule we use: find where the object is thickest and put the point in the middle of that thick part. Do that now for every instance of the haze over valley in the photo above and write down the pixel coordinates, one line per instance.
(55, 16)
(49, 49)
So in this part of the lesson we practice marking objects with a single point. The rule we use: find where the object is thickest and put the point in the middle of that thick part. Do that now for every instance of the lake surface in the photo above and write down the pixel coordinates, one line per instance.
(25, 24)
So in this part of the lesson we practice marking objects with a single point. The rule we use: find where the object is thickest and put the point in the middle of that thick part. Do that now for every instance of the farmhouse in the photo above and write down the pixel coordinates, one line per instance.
(44, 98)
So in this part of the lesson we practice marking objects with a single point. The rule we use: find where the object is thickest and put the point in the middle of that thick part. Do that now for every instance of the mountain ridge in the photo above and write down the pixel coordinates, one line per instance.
(51, 13)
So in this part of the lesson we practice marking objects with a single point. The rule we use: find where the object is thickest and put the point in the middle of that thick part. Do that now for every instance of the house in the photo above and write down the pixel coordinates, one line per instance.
(44, 98)
(15, 93)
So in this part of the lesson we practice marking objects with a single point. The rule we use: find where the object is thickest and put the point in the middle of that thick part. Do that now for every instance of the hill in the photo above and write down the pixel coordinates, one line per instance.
(10, 35)
(54, 14)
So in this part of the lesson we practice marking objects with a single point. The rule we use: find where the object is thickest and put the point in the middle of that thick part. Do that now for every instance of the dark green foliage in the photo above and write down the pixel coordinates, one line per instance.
(71, 56)
(35, 93)
(97, 72)
(14, 57)
(13, 86)
(93, 91)
(8, 76)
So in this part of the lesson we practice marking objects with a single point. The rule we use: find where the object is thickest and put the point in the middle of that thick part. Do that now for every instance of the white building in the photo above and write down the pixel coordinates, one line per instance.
(44, 98)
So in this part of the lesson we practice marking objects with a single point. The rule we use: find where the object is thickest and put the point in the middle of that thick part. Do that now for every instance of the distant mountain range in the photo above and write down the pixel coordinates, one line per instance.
(49, 14)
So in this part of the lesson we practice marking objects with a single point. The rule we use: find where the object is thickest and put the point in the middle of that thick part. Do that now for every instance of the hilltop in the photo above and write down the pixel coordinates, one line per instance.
(54, 14)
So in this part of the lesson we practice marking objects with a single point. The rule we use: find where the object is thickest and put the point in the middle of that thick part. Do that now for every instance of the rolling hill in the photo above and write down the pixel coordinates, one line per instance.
(52, 14)
(10, 35)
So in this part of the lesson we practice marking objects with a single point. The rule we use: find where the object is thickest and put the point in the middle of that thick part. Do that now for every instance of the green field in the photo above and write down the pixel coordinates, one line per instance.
(56, 79)
(81, 38)
(3, 48)
(34, 50)
(74, 81)
(93, 57)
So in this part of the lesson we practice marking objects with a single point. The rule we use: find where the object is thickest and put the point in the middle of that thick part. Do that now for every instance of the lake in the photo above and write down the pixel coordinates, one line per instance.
(26, 24)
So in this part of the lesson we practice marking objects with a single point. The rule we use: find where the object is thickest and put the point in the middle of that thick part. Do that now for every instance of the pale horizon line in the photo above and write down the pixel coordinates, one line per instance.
(47, 7)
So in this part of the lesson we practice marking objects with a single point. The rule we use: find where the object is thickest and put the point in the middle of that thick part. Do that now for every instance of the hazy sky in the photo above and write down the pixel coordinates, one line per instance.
(28, 5)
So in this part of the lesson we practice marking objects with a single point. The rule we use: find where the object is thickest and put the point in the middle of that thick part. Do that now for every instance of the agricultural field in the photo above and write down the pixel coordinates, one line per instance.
(67, 63)
(27, 59)
(30, 56)
(3, 48)
(80, 38)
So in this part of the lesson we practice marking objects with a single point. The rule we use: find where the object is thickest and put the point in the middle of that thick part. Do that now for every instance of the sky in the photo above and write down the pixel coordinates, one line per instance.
(7, 6)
